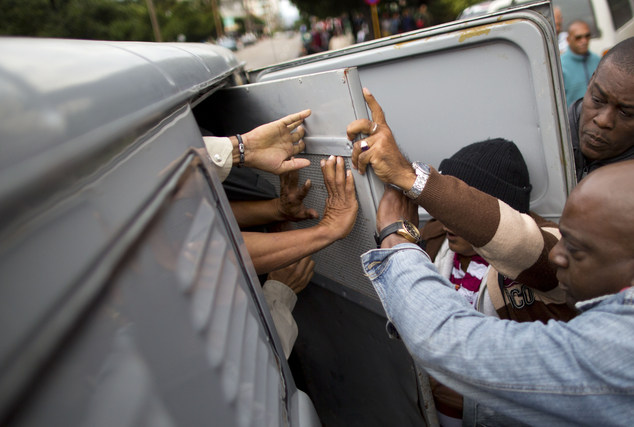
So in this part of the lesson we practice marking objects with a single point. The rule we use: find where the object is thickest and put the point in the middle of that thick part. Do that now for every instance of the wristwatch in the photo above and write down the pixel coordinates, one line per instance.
(403, 228)
(422, 175)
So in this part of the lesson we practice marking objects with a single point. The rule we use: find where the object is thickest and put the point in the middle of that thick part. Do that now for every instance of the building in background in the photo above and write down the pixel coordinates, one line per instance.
(266, 10)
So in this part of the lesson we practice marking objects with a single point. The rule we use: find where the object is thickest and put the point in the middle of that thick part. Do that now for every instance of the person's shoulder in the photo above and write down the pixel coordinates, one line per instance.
(574, 111)
(566, 58)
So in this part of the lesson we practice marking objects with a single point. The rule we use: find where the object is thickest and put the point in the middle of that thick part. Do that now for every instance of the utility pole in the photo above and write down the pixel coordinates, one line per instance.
(155, 24)
(248, 25)
(217, 20)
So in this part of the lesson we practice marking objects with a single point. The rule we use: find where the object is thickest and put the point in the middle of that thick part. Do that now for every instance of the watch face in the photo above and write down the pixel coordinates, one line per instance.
(411, 228)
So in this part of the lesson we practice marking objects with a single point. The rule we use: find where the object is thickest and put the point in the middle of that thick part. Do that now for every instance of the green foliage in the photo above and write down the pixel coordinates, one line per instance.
(106, 19)
(192, 19)
(448, 10)
(441, 10)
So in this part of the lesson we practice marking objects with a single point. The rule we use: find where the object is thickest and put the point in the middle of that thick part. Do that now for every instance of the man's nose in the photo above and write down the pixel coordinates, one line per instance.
(605, 117)
(557, 257)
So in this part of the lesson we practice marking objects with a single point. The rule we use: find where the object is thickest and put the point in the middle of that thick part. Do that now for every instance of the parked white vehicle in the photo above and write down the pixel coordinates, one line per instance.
(610, 21)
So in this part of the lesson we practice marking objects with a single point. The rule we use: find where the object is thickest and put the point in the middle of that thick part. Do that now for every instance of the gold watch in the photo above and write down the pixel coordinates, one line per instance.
(403, 228)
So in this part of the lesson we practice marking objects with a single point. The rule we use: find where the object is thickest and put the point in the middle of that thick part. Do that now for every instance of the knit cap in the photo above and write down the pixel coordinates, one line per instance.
(494, 166)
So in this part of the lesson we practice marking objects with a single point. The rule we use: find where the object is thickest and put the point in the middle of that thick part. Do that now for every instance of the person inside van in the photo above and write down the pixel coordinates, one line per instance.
(602, 122)
(579, 372)
(578, 62)
(496, 168)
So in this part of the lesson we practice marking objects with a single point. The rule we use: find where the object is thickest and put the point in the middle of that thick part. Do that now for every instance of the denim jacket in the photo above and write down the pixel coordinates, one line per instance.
(579, 372)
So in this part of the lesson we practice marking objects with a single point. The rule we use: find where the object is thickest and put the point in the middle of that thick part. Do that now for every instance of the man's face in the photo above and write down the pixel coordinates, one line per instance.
(579, 38)
(594, 256)
(606, 127)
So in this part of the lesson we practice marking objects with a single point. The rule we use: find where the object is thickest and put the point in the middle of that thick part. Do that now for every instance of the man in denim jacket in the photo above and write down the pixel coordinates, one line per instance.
(579, 372)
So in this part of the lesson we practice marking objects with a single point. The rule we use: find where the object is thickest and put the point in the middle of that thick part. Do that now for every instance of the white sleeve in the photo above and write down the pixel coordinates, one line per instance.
(220, 151)
(281, 301)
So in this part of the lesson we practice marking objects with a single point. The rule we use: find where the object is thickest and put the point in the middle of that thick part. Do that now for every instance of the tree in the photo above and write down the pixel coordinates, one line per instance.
(442, 10)
(328, 8)
(106, 19)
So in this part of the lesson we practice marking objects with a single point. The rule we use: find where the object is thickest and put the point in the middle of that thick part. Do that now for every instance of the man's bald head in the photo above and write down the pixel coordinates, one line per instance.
(595, 255)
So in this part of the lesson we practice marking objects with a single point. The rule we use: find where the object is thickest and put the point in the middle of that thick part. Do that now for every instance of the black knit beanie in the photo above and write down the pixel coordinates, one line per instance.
(495, 167)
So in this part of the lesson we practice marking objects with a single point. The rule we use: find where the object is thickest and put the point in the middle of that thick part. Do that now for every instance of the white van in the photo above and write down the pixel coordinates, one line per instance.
(610, 21)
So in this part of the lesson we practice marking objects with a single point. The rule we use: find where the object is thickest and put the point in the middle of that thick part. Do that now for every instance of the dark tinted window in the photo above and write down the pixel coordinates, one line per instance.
(573, 10)
(621, 11)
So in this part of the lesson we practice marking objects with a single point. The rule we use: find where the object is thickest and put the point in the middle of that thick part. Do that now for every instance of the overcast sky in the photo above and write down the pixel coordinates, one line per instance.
(289, 12)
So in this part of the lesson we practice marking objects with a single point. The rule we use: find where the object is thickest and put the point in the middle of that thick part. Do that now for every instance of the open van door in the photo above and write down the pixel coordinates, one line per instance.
(441, 89)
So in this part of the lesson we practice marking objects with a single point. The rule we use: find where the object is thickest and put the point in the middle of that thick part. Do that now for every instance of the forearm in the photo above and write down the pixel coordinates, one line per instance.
(519, 250)
(468, 212)
(250, 213)
(272, 251)
(513, 242)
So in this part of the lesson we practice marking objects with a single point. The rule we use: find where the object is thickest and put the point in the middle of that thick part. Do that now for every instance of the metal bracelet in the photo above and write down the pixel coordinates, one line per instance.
(240, 150)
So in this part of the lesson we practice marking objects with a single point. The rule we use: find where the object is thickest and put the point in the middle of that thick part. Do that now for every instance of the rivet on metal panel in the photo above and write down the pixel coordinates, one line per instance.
(300, 81)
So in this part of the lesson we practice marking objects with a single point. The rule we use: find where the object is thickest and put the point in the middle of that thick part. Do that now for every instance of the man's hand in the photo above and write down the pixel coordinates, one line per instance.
(292, 198)
(297, 275)
(380, 149)
(271, 147)
(341, 208)
(395, 206)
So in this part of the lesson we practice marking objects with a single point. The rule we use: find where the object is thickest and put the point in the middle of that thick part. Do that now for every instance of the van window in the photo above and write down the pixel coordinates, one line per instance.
(573, 10)
(621, 11)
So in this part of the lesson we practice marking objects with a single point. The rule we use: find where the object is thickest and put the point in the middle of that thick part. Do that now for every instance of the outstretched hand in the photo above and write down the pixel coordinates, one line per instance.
(297, 275)
(271, 147)
(379, 148)
(292, 198)
(341, 208)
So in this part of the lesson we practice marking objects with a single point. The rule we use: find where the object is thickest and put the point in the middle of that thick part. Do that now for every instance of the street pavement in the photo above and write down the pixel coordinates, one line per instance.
(272, 50)
(279, 48)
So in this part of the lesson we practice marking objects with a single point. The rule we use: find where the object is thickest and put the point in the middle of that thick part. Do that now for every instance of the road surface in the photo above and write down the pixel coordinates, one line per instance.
(272, 50)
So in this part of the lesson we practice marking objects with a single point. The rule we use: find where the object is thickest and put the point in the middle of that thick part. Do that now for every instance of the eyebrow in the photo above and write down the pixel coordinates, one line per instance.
(603, 94)
(573, 240)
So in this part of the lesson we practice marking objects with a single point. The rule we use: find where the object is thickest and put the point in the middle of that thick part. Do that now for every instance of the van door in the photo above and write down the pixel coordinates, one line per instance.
(454, 84)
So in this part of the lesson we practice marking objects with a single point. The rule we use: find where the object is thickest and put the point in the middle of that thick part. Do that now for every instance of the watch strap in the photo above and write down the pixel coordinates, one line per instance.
(395, 227)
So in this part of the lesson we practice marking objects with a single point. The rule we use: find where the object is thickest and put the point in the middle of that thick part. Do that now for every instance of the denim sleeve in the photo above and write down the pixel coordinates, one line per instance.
(555, 373)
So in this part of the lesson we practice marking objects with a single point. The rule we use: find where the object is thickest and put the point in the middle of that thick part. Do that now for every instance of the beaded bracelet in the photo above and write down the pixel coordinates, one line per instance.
(240, 150)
